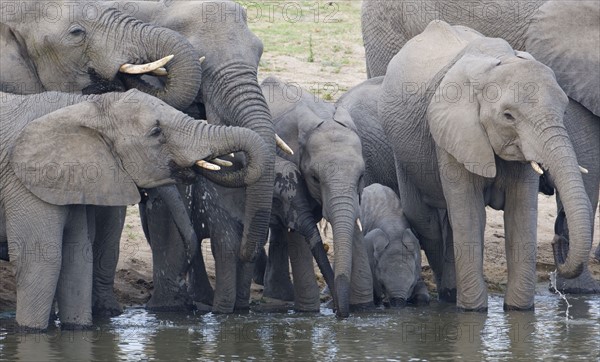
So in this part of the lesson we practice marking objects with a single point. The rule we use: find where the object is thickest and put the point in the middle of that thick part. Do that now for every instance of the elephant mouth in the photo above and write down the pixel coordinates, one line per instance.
(100, 85)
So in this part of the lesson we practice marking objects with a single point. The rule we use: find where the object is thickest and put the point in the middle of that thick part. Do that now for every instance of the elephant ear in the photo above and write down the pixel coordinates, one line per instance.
(343, 117)
(380, 242)
(453, 115)
(565, 36)
(17, 72)
(63, 159)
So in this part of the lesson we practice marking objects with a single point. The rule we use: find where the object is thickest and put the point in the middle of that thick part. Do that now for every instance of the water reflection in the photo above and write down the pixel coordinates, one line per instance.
(434, 332)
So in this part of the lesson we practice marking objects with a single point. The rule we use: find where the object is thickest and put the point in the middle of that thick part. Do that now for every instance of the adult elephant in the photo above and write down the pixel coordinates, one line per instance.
(230, 93)
(89, 47)
(86, 47)
(113, 144)
(464, 140)
(550, 30)
(328, 153)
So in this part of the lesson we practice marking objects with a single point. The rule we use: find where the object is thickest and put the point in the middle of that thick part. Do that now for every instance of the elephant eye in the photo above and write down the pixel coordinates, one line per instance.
(509, 116)
(76, 30)
(156, 131)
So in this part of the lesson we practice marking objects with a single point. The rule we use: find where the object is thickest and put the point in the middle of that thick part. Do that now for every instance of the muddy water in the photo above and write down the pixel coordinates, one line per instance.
(426, 333)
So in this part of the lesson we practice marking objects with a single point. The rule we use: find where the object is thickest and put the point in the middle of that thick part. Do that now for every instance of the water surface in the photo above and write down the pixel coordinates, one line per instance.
(436, 332)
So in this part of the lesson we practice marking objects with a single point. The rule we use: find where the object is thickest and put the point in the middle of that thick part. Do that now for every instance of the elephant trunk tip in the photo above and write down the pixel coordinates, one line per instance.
(560, 247)
(342, 292)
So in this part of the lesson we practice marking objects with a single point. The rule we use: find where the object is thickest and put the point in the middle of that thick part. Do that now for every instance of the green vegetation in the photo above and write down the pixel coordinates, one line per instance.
(326, 32)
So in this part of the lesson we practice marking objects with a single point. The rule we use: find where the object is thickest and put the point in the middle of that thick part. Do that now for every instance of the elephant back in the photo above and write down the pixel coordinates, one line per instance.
(565, 36)
(380, 208)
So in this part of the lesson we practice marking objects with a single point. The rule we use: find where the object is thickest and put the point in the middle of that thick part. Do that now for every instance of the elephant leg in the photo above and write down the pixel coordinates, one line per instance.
(361, 290)
(200, 289)
(584, 130)
(35, 234)
(74, 289)
(466, 211)
(447, 292)
(108, 223)
(427, 224)
(278, 284)
(244, 272)
(306, 289)
(520, 224)
(168, 257)
(225, 252)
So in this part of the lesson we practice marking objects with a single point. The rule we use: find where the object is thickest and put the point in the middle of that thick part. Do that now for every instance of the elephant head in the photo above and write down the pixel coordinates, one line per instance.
(87, 46)
(494, 102)
(329, 154)
(394, 251)
(117, 142)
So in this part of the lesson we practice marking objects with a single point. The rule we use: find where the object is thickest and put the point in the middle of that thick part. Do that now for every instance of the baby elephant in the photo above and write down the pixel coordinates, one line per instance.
(394, 251)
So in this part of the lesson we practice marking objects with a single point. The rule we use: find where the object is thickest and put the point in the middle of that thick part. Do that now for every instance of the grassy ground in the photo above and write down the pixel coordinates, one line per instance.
(315, 44)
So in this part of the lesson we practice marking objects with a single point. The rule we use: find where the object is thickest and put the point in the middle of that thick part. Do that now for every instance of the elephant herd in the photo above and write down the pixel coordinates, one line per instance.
(103, 105)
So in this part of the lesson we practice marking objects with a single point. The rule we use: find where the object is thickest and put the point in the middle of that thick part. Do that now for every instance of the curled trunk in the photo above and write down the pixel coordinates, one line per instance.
(559, 158)
(182, 84)
(235, 98)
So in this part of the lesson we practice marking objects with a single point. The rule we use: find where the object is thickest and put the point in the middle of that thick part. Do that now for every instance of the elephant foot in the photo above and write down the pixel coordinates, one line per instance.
(362, 307)
(178, 303)
(76, 327)
(107, 308)
(583, 284)
(508, 308)
(19, 329)
(475, 310)
(447, 295)
(223, 308)
(282, 291)
(204, 297)
(241, 310)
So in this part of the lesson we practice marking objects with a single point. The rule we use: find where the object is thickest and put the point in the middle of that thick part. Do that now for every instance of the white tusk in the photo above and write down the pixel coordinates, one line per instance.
(583, 170)
(207, 165)
(202, 59)
(221, 162)
(284, 147)
(159, 72)
(359, 225)
(145, 68)
(536, 167)
(232, 154)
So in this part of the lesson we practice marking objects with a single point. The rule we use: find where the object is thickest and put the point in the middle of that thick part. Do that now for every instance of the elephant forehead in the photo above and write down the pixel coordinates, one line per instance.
(427, 53)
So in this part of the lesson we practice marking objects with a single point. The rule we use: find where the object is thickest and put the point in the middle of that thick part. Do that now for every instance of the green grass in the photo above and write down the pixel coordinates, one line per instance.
(288, 28)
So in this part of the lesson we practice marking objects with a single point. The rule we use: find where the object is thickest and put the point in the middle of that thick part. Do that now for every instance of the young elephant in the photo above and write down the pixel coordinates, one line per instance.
(217, 213)
(394, 251)
(328, 153)
(61, 152)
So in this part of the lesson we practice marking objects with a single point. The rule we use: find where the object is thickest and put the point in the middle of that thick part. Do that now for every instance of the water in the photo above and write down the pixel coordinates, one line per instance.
(431, 333)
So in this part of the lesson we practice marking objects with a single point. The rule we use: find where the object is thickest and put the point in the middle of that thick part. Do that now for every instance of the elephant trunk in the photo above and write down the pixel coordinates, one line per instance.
(559, 157)
(236, 99)
(342, 215)
(183, 81)
(222, 141)
(307, 226)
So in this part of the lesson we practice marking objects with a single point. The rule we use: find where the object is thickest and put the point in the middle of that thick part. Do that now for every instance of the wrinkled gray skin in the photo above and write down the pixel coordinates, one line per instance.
(329, 155)
(550, 30)
(394, 251)
(111, 145)
(212, 218)
(230, 94)
(361, 102)
(463, 153)
(78, 47)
